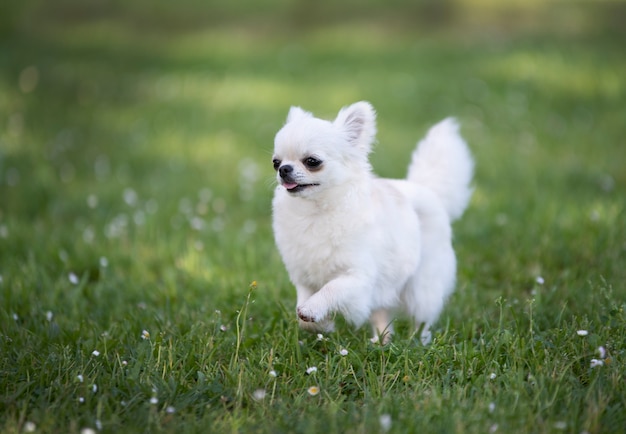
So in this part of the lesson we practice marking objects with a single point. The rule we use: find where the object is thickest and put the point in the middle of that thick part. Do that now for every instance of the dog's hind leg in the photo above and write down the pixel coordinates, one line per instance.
(382, 326)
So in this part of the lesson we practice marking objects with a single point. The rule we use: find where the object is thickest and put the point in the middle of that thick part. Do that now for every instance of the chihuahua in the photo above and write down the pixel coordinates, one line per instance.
(359, 245)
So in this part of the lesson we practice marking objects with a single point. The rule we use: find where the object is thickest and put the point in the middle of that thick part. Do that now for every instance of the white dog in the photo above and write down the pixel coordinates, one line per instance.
(360, 245)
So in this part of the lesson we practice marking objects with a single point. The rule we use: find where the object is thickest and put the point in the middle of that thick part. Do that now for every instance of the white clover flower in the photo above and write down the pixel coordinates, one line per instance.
(343, 352)
(492, 407)
(95, 353)
(79, 377)
(602, 352)
(15, 317)
(49, 315)
(124, 363)
(81, 399)
(104, 262)
(385, 422)
(320, 337)
(493, 428)
(223, 328)
(87, 431)
(273, 373)
(154, 400)
(313, 390)
(582, 332)
(98, 425)
(145, 334)
(311, 370)
(73, 278)
(540, 280)
(29, 426)
(170, 410)
(258, 394)
(595, 362)
(94, 388)
(492, 376)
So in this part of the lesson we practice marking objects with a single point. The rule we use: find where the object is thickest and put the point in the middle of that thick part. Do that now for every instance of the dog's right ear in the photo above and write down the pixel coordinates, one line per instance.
(297, 113)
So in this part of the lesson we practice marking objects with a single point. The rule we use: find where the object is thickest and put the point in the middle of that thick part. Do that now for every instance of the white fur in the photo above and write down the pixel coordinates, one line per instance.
(359, 245)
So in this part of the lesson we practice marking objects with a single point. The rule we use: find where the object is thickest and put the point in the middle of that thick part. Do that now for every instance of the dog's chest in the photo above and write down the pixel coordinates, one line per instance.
(316, 248)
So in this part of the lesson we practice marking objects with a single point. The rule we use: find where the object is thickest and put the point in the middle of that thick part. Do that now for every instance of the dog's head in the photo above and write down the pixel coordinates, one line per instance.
(312, 155)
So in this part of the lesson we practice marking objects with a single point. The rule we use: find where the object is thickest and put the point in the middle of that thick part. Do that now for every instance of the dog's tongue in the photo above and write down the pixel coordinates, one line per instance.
(290, 185)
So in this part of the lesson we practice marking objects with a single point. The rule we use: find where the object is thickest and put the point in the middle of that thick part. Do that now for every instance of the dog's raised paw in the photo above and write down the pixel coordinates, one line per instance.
(305, 315)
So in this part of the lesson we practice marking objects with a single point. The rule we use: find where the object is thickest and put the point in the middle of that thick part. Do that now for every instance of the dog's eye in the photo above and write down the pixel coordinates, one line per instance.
(312, 162)
(276, 163)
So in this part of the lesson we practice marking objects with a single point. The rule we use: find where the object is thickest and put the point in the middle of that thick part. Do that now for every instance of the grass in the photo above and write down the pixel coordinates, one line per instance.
(135, 188)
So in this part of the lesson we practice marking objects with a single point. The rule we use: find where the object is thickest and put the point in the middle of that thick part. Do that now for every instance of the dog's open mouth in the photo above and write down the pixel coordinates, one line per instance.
(292, 187)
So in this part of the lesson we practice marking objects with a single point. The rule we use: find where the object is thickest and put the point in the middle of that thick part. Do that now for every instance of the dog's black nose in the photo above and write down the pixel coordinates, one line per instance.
(285, 170)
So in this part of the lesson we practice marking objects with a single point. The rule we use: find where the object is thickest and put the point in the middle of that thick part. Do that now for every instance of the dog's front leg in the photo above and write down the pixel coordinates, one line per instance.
(325, 325)
(347, 294)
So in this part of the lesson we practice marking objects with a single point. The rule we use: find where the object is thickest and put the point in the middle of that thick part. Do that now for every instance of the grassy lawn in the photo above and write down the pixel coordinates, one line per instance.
(140, 288)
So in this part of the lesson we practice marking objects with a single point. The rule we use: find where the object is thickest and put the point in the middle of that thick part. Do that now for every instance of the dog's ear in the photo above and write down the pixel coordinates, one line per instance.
(297, 113)
(358, 121)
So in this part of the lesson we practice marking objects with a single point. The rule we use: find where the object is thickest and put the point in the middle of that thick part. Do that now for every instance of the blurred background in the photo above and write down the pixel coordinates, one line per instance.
(144, 129)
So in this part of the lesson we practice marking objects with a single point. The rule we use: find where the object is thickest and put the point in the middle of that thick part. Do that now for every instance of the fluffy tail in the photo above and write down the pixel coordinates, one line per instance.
(442, 162)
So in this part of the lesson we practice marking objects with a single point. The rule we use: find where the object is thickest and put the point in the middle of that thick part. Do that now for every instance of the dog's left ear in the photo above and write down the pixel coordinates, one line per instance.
(359, 123)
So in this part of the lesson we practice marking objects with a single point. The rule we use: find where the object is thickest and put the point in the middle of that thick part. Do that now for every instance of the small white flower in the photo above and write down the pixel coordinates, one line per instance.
(385, 422)
(492, 376)
(273, 373)
(320, 337)
(540, 280)
(15, 317)
(130, 196)
(95, 353)
(94, 388)
(313, 390)
(595, 362)
(582, 332)
(223, 328)
(92, 201)
(49, 315)
(123, 403)
(311, 370)
(98, 425)
(87, 431)
(493, 428)
(104, 262)
(124, 363)
(81, 399)
(602, 352)
(492, 407)
(258, 394)
(154, 400)
(73, 278)
(145, 334)
(170, 410)
(79, 377)
(29, 426)
(343, 352)
(560, 425)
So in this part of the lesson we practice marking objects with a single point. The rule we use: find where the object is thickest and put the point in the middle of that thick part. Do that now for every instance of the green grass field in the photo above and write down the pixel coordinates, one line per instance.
(140, 288)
